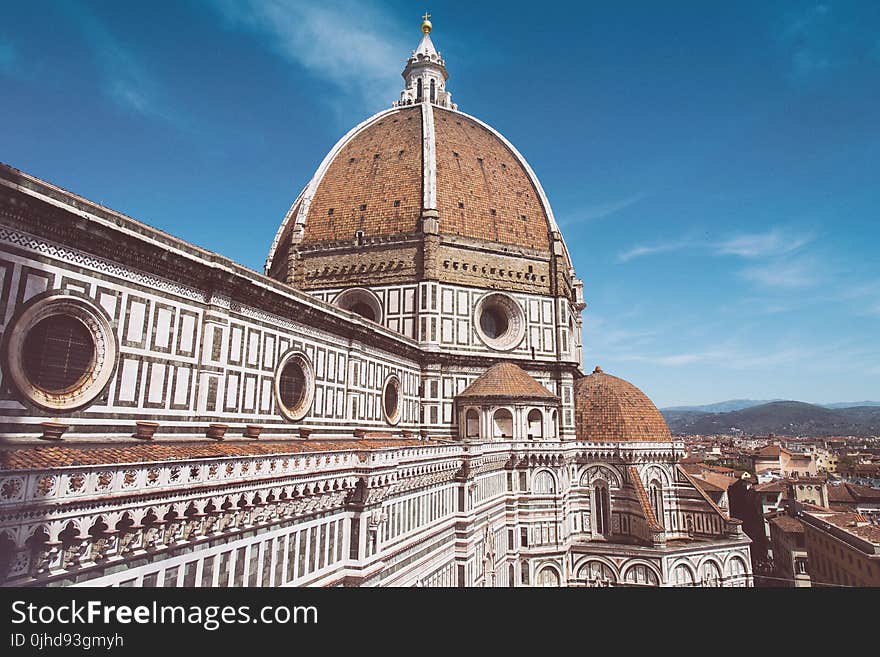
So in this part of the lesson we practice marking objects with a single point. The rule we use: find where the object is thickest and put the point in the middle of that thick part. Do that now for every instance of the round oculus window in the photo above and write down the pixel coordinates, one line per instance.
(360, 301)
(61, 352)
(295, 385)
(500, 321)
(391, 399)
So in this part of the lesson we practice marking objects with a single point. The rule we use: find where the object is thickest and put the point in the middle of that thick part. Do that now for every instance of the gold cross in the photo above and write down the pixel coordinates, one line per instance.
(426, 16)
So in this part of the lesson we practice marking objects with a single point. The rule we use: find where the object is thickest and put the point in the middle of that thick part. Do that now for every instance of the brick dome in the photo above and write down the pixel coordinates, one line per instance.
(607, 408)
(381, 178)
(505, 380)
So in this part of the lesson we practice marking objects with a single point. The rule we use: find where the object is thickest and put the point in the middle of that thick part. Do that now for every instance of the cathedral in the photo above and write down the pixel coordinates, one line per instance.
(398, 400)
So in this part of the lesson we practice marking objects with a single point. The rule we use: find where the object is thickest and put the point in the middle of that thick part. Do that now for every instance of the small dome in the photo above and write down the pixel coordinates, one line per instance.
(609, 409)
(506, 380)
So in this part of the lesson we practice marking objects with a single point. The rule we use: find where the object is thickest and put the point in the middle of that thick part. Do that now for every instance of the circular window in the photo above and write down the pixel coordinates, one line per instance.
(295, 385)
(500, 321)
(493, 321)
(60, 352)
(391, 399)
(362, 302)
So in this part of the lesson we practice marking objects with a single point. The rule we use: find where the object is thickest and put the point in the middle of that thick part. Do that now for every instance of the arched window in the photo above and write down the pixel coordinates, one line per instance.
(602, 508)
(362, 302)
(596, 573)
(655, 494)
(433, 92)
(737, 567)
(536, 424)
(682, 576)
(544, 483)
(641, 574)
(554, 425)
(711, 574)
(472, 424)
(547, 577)
(419, 90)
(502, 424)
(511, 576)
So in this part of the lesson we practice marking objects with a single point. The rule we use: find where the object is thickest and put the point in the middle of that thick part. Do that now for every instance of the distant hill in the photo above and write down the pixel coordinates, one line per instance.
(724, 406)
(739, 404)
(780, 417)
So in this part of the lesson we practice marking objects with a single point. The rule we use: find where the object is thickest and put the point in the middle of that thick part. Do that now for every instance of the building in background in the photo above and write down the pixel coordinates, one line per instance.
(844, 548)
(774, 460)
(399, 401)
(790, 556)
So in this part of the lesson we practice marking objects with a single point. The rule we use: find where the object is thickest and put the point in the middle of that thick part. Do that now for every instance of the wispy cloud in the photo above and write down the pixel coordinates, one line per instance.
(822, 38)
(652, 249)
(359, 56)
(772, 243)
(125, 79)
(604, 210)
(797, 273)
(865, 296)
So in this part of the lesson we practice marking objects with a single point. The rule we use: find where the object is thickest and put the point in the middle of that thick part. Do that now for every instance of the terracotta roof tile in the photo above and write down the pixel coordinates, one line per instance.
(706, 497)
(505, 380)
(788, 524)
(483, 191)
(39, 457)
(863, 493)
(722, 482)
(707, 486)
(642, 494)
(374, 184)
(770, 487)
(608, 408)
(854, 523)
(379, 166)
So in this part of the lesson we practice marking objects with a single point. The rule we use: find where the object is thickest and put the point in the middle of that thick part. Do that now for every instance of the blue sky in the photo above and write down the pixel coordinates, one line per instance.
(715, 167)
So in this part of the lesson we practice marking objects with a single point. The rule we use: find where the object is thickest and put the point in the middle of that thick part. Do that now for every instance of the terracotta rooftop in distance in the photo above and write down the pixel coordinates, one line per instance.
(708, 486)
(854, 523)
(506, 380)
(39, 457)
(607, 408)
(770, 487)
(720, 481)
(718, 468)
(788, 524)
(864, 493)
(769, 451)
(840, 495)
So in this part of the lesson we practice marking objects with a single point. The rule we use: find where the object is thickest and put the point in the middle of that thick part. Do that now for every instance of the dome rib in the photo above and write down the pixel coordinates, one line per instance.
(481, 185)
(610, 409)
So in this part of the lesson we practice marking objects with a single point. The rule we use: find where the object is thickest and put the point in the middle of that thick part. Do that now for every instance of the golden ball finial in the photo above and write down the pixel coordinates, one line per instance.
(426, 24)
